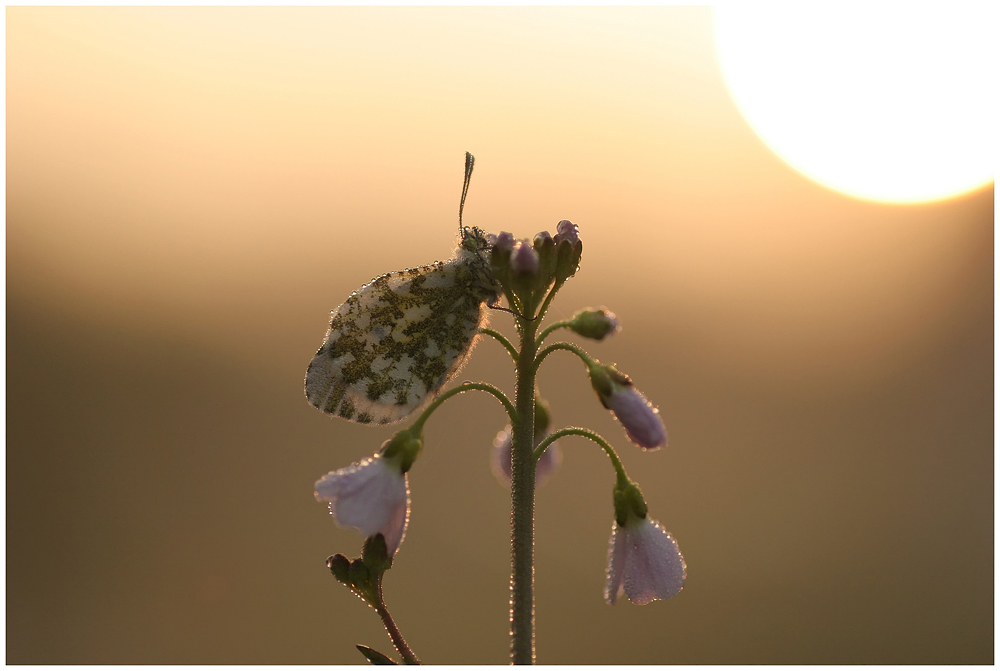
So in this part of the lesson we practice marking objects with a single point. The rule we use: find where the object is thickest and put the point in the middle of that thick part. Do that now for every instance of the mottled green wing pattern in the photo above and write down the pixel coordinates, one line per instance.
(394, 343)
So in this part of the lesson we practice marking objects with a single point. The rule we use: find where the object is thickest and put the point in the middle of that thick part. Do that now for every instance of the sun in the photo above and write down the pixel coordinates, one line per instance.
(885, 102)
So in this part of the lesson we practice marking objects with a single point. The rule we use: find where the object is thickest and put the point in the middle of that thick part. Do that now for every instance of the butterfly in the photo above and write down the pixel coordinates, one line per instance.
(396, 341)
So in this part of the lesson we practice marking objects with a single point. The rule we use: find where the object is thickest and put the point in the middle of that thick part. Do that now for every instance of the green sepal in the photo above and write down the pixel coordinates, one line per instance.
(546, 248)
(567, 259)
(374, 656)
(605, 379)
(526, 284)
(629, 502)
(403, 448)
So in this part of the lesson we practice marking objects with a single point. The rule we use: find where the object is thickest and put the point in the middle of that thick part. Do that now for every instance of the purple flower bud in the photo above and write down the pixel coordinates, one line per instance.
(642, 422)
(504, 241)
(524, 260)
(541, 239)
(567, 230)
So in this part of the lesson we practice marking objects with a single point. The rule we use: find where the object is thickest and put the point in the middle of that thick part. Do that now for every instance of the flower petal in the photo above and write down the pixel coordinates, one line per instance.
(500, 459)
(394, 529)
(367, 496)
(500, 456)
(617, 547)
(654, 567)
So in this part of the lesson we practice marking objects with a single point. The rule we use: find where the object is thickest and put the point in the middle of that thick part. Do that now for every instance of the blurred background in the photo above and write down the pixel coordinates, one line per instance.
(190, 191)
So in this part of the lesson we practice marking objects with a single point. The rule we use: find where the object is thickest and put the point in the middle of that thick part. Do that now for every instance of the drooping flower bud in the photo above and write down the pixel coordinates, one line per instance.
(640, 419)
(569, 248)
(595, 324)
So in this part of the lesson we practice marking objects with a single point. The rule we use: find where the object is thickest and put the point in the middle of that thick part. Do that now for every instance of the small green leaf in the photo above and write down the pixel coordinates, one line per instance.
(359, 574)
(339, 566)
(374, 656)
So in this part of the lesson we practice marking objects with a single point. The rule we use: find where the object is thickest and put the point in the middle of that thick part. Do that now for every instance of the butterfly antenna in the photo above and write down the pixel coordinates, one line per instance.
(470, 161)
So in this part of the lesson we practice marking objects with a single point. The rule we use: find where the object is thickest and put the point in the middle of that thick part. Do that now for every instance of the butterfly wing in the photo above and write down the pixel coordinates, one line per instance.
(395, 342)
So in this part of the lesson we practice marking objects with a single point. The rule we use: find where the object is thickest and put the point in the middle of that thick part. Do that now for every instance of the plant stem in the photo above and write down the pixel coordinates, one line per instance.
(390, 627)
(522, 516)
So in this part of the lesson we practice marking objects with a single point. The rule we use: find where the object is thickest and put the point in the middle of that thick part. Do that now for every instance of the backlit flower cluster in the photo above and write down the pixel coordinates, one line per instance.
(373, 496)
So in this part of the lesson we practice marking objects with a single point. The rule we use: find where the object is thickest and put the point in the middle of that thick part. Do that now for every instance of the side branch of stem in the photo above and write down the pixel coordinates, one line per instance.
(586, 358)
(586, 433)
(550, 328)
(418, 425)
(502, 339)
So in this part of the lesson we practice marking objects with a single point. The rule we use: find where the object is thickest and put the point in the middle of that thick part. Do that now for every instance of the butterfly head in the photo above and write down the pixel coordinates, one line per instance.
(474, 251)
(475, 241)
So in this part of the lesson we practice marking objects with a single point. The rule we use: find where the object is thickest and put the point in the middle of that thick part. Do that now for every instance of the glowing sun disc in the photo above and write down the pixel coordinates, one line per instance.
(887, 102)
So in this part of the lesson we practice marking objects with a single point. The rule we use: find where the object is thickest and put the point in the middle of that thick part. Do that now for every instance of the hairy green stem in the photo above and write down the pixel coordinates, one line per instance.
(390, 627)
(502, 339)
(514, 303)
(586, 433)
(587, 359)
(418, 425)
(550, 328)
(522, 604)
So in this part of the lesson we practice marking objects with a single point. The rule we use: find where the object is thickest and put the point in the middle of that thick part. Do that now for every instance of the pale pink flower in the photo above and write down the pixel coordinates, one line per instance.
(500, 458)
(642, 421)
(643, 562)
(371, 496)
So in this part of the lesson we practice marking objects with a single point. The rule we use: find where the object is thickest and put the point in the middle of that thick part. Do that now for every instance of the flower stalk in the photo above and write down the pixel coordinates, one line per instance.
(522, 610)
(372, 495)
